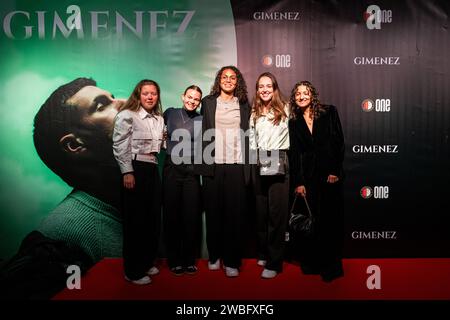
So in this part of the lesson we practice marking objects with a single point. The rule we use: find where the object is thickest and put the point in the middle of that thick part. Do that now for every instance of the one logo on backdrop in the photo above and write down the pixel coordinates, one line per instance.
(379, 105)
(377, 61)
(374, 17)
(267, 60)
(375, 148)
(366, 192)
(374, 235)
(377, 192)
(277, 16)
(367, 105)
(277, 61)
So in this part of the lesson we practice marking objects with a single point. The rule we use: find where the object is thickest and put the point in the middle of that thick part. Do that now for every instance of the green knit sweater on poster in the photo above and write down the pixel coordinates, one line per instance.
(85, 221)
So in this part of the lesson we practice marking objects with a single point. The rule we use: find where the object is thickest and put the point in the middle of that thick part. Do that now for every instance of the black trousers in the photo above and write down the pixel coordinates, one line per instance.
(272, 212)
(225, 206)
(323, 251)
(181, 213)
(141, 208)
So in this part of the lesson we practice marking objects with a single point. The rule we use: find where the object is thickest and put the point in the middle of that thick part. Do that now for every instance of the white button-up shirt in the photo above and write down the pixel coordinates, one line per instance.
(264, 135)
(136, 133)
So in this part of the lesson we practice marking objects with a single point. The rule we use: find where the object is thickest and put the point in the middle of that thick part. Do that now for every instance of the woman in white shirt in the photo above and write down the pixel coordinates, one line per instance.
(269, 135)
(137, 139)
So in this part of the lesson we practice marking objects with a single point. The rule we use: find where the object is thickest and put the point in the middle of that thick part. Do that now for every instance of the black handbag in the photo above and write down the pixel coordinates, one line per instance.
(301, 223)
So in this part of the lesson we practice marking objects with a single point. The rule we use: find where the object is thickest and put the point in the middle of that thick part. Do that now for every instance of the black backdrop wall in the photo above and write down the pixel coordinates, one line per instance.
(390, 80)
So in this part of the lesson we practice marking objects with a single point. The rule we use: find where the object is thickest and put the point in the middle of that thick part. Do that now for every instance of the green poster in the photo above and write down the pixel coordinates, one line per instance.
(45, 44)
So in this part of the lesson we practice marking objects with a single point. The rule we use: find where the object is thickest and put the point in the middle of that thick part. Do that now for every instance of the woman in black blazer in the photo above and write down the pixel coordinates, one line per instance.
(225, 167)
(316, 157)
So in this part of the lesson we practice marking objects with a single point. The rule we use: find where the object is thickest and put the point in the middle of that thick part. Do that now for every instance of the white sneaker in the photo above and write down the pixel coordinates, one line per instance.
(141, 281)
(215, 265)
(153, 271)
(268, 274)
(261, 263)
(231, 272)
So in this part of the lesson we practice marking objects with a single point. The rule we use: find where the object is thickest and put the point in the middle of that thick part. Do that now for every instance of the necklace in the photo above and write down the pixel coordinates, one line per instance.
(308, 118)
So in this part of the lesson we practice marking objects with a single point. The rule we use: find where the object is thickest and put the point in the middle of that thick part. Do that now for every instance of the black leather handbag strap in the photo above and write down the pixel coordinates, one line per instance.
(306, 202)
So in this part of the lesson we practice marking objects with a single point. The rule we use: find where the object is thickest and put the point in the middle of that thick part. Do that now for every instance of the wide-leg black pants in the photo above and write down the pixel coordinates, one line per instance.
(272, 212)
(225, 206)
(181, 213)
(141, 208)
(322, 252)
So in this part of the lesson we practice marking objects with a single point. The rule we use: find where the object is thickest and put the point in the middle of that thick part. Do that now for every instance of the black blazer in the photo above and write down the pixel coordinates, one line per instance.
(316, 155)
(208, 111)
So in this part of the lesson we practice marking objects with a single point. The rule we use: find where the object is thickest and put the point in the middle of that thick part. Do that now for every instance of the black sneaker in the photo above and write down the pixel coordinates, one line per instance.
(178, 270)
(191, 270)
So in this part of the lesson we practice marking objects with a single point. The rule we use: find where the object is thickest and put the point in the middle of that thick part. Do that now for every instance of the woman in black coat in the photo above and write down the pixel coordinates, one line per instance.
(316, 157)
(225, 168)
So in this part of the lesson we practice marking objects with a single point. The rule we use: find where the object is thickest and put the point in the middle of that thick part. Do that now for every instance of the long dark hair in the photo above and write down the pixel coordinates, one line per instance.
(316, 108)
(133, 102)
(276, 104)
(241, 88)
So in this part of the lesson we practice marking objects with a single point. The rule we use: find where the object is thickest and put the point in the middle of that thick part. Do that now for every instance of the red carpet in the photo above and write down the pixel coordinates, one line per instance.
(400, 279)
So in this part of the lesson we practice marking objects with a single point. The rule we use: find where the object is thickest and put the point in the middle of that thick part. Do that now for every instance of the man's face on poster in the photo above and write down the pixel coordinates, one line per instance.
(96, 109)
